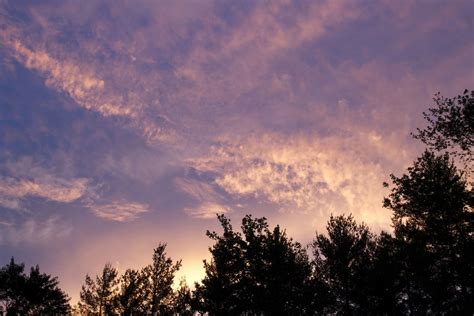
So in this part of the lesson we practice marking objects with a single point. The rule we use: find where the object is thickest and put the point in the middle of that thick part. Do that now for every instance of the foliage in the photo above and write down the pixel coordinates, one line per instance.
(159, 277)
(342, 264)
(450, 124)
(34, 294)
(132, 297)
(383, 279)
(145, 291)
(433, 220)
(183, 304)
(256, 271)
(99, 297)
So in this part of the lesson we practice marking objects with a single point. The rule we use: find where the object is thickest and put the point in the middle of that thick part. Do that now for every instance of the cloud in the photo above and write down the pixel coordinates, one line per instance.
(207, 202)
(82, 84)
(120, 211)
(310, 175)
(122, 75)
(206, 210)
(200, 191)
(33, 231)
(187, 75)
(10, 202)
(13, 190)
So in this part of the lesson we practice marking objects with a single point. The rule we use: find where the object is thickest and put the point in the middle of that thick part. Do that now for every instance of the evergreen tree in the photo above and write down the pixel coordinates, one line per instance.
(259, 271)
(159, 277)
(343, 262)
(33, 294)
(99, 297)
(433, 220)
(183, 301)
(222, 290)
(383, 279)
(132, 297)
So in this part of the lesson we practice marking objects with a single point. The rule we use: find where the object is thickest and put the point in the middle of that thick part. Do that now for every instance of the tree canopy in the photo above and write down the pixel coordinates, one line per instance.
(450, 125)
(35, 293)
(99, 296)
(433, 221)
(342, 265)
(259, 270)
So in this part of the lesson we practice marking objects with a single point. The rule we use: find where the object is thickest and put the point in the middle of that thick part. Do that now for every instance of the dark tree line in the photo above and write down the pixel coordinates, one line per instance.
(35, 293)
(136, 292)
(425, 267)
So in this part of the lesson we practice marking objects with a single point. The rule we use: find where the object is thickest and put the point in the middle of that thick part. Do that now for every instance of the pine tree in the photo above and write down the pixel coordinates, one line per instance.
(433, 220)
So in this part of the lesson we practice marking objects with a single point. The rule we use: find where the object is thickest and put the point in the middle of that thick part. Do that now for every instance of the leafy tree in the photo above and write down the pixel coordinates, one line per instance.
(99, 297)
(450, 124)
(256, 271)
(343, 261)
(33, 294)
(159, 277)
(433, 220)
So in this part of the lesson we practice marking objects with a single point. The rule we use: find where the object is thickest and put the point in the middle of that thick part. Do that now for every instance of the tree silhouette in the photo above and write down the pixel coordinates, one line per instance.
(33, 294)
(383, 279)
(343, 262)
(222, 290)
(433, 220)
(450, 124)
(183, 304)
(132, 297)
(99, 297)
(258, 271)
(159, 277)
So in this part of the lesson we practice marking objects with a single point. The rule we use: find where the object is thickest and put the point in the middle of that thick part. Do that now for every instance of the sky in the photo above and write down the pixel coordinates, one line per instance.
(124, 124)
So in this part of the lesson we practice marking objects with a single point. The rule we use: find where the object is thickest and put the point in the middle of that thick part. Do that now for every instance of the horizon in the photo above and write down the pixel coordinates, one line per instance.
(126, 124)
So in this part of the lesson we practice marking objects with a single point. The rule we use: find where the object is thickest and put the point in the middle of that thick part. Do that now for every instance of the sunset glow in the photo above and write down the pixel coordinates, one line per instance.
(128, 123)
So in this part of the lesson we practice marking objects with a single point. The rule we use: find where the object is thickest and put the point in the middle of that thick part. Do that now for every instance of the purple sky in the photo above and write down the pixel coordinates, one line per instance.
(128, 123)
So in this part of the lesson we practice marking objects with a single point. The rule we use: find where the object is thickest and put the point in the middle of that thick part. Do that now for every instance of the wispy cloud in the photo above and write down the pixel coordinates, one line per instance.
(88, 90)
(207, 202)
(207, 210)
(12, 190)
(200, 191)
(33, 231)
(120, 211)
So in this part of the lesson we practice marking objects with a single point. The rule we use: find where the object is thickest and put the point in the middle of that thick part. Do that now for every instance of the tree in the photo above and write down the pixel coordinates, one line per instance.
(133, 292)
(33, 294)
(99, 297)
(184, 300)
(44, 295)
(256, 271)
(343, 261)
(433, 220)
(159, 277)
(12, 283)
(221, 290)
(278, 269)
(450, 124)
(383, 279)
